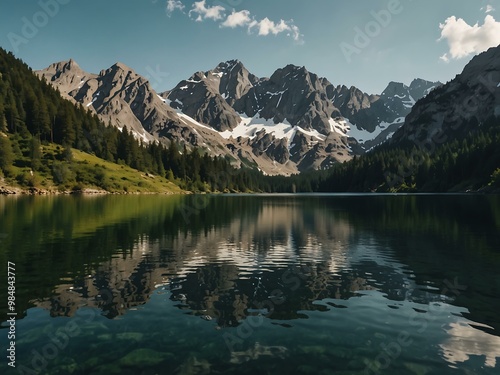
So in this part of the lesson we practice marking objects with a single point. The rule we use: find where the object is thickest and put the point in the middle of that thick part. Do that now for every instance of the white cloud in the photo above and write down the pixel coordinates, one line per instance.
(464, 40)
(235, 19)
(203, 12)
(444, 58)
(173, 5)
(243, 18)
(263, 27)
(266, 27)
(488, 9)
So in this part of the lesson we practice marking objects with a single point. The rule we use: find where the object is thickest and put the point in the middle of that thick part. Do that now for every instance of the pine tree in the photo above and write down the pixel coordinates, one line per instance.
(6, 154)
(36, 154)
(3, 120)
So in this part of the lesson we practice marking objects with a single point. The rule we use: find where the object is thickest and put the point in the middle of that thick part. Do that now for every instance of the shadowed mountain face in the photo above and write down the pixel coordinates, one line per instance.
(457, 108)
(375, 118)
(291, 122)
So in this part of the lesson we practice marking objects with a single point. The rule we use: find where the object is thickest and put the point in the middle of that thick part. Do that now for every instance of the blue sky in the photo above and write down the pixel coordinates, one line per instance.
(400, 44)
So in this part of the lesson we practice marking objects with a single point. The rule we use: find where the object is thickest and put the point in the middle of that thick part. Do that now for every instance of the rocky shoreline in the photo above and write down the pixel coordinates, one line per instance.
(9, 190)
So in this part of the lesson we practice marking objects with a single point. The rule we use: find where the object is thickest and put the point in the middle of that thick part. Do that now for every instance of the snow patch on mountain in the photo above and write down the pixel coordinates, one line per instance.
(250, 126)
(190, 121)
(427, 92)
(169, 102)
(340, 126)
(185, 119)
(93, 100)
(362, 135)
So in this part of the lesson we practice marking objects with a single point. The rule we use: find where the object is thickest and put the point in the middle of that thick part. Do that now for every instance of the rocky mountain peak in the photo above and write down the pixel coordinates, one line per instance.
(395, 88)
(233, 79)
(417, 82)
(197, 77)
(200, 97)
(63, 67)
(67, 76)
(69, 65)
(120, 77)
(484, 63)
(119, 70)
(292, 73)
(400, 98)
(229, 65)
(350, 100)
(420, 88)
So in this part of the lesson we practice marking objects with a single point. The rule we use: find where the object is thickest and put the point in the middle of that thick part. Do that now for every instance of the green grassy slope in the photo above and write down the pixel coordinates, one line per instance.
(62, 170)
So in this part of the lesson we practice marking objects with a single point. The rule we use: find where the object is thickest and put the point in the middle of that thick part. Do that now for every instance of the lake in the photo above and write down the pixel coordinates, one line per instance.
(252, 284)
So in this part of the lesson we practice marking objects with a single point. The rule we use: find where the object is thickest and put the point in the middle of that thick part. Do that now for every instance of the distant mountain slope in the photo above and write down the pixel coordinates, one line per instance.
(450, 140)
(457, 108)
(374, 118)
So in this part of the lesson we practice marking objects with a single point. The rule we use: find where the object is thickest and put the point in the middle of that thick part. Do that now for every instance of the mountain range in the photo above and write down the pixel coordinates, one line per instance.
(53, 131)
(291, 122)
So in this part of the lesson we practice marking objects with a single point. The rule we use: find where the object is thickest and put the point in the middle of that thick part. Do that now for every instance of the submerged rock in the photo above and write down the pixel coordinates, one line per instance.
(144, 357)
(105, 337)
(307, 369)
(137, 336)
(258, 351)
(314, 349)
(417, 369)
(66, 366)
(194, 366)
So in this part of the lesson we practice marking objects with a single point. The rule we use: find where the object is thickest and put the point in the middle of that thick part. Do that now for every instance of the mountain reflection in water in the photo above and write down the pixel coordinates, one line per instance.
(365, 261)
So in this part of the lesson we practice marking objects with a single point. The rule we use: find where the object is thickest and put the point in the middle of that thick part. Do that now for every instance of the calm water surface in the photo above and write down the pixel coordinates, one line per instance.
(253, 284)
